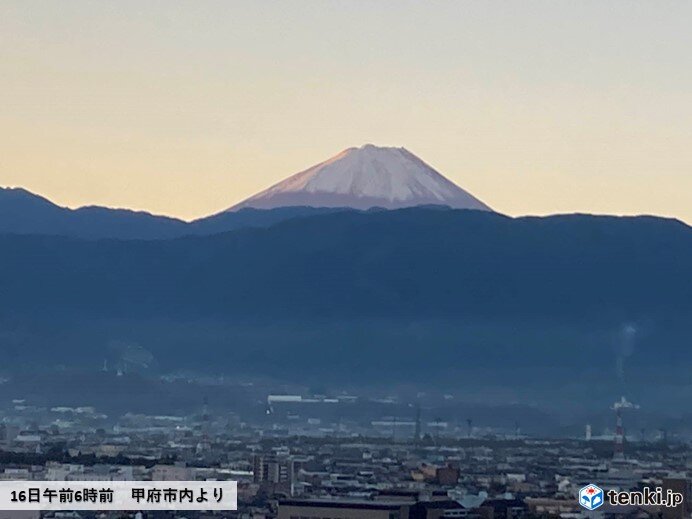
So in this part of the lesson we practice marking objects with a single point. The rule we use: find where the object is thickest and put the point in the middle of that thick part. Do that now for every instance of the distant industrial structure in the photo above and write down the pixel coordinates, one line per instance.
(619, 438)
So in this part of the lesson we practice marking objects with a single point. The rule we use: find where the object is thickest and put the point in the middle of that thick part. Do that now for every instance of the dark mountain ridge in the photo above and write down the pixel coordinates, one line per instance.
(22, 212)
(466, 297)
(418, 262)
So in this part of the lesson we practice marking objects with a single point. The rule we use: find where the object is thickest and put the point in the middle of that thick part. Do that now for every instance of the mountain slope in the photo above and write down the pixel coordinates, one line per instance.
(365, 177)
(356, 179)
(386, 296)
(22, 212)
(413, 262)
(249, 217)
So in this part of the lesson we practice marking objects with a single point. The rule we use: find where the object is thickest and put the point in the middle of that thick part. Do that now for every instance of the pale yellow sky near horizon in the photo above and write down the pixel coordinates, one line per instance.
(186, 108)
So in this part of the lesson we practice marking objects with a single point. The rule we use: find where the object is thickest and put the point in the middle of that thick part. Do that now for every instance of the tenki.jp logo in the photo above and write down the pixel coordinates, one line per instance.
(591, 497)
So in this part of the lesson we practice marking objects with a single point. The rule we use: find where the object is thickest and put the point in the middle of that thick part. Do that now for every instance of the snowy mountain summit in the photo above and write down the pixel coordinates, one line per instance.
(365, 177)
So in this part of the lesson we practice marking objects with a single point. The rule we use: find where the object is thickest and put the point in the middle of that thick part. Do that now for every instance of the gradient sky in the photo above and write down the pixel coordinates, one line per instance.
(185, 108)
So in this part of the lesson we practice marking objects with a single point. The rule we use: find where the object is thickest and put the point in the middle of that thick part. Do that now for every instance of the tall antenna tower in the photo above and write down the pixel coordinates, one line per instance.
(205, 419)
(619, 439)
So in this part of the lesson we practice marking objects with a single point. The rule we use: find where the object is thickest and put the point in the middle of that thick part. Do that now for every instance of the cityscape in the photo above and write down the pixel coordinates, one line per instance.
(344, 456)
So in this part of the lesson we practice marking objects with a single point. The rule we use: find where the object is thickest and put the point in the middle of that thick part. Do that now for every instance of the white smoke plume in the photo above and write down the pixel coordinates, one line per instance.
(624, 347)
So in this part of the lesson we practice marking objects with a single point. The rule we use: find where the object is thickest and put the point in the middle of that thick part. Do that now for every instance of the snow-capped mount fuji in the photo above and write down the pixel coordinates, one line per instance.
(365, 177)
